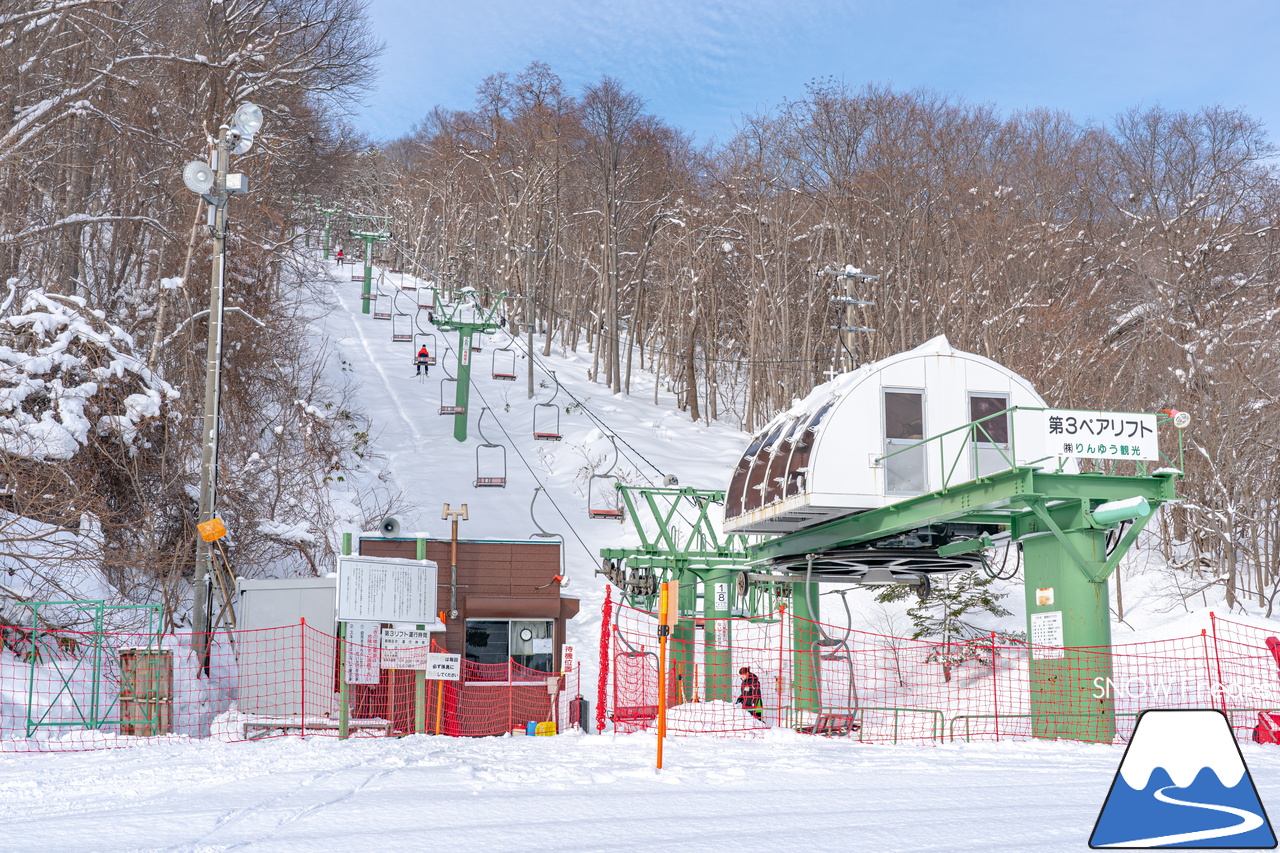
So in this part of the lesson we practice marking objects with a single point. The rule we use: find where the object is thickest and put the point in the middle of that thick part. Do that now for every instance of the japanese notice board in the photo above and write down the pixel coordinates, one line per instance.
(1046, 635)
(568, 658)
(402, 649)
(362, 652)
(375, 589)
(442, 667)
(1101, 435)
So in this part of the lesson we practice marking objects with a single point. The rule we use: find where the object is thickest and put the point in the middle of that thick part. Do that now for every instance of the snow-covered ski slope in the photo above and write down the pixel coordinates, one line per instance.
(420, 456)
(779, 792)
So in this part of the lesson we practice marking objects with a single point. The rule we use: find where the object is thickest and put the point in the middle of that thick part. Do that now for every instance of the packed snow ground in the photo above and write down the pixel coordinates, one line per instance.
(780, 791)
(570, 793)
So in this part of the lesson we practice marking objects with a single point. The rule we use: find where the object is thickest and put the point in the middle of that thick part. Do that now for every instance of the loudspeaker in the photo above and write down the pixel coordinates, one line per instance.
(389, 528)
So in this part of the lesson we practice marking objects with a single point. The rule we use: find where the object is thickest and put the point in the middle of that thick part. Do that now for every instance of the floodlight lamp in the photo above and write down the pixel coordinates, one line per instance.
(198, 177)
(248, 118)
(1180, 419)
(243, 144)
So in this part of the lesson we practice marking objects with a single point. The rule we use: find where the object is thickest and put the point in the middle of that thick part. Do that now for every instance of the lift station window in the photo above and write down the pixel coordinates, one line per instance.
(527, 642)
(991, 437)
(904, 462)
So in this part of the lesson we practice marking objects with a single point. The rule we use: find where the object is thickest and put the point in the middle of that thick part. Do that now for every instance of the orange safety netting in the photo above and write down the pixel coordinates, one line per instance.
(67, 690)
(829, 680)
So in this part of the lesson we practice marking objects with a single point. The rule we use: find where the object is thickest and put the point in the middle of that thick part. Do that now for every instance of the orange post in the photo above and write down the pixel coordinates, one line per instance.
(662, 690)
(668, 616)
(439, 702)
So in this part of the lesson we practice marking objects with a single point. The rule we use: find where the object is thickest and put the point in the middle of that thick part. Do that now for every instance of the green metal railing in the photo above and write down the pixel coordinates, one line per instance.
(975, 433)
(91, 711)
(967, 719)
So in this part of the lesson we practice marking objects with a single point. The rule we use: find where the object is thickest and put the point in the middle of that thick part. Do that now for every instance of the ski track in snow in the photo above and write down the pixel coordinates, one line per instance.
(782, 792)
(388, 391)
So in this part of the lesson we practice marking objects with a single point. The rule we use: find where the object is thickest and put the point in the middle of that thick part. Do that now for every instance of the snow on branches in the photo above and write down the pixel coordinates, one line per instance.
(69, 378)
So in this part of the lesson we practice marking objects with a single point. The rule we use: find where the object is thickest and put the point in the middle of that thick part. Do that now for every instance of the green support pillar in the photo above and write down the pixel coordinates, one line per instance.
(344, 690)
(328, 241)
(366, 291)
(369, 238)
(717, 637)
(682, 637)
(806, 695)
(463, 394)
(420, 677)
(1067, 608)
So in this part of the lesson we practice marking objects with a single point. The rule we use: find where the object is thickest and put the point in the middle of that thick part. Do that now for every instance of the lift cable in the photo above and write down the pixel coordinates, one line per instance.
(532, 473)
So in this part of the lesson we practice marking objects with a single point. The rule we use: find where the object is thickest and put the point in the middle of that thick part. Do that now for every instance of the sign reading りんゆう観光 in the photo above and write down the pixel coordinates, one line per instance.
(1101, 435)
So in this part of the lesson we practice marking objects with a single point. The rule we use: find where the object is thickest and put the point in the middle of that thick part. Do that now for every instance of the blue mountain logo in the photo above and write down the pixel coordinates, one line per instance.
(1183, 783)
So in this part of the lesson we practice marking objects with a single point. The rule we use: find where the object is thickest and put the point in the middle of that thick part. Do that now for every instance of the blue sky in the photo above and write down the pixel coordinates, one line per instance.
(700, 64)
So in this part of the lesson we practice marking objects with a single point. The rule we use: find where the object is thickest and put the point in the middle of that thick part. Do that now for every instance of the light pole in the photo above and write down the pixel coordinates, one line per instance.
(215, 186)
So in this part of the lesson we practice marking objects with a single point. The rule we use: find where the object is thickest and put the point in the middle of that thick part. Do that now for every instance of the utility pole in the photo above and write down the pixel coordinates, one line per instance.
(454, 515)
(215, 188)
(850, 274)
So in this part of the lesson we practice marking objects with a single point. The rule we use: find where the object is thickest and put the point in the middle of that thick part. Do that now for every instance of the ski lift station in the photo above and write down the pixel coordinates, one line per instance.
(916, 465)
(857, 443)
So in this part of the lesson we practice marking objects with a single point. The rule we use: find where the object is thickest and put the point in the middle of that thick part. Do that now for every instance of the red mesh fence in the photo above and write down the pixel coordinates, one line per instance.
(74, 691)
(69, 691)
(829, 680)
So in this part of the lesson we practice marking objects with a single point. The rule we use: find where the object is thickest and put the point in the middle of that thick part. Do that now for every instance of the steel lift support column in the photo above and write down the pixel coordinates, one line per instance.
(468, 317)
(328, 213)
(1061, 521)
(369, 238)
(696, 554)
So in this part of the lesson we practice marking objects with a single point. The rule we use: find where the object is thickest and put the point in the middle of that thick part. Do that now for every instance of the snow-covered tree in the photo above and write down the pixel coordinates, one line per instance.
(955, 618)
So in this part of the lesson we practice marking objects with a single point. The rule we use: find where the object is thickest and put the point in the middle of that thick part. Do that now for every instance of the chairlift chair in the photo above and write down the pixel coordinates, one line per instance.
(598, 502)
(426, 297)
(597, 498)
(381, 307)
(546, 417)
(491, 460)
(546, 422)
(543, 533)
(450, 408)
(402, 328)
(504, 364)
(429, 340)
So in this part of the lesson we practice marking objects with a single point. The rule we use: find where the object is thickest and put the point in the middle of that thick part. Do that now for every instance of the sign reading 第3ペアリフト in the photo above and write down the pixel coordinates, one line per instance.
(1101, 435)
(381, 589)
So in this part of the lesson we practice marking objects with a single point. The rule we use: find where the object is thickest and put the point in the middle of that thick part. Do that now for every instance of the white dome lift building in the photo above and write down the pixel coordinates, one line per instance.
(909, 466)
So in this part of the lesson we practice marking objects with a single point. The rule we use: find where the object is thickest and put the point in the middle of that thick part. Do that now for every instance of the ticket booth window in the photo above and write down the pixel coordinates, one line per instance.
(527, 642)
